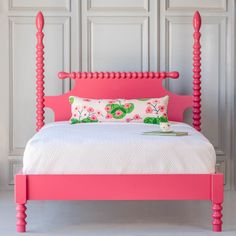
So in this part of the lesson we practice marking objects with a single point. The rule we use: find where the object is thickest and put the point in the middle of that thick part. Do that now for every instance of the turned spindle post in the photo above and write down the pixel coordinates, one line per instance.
(197, 72)
(40, 72)
(21, 216)
(217, 195)
(21, 199)
(217, 215)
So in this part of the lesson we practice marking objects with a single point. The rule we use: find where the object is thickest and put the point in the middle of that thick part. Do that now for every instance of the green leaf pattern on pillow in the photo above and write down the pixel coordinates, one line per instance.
(82, 114)
(118, 110)
(146, 110)
(154, 106)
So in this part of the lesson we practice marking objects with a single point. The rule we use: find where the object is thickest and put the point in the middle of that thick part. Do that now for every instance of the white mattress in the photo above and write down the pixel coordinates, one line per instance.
(116, 148)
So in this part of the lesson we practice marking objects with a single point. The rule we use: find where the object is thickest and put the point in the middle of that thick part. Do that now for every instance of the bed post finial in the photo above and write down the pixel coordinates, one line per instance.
(40, 21)
(40, 72)
(197, 72)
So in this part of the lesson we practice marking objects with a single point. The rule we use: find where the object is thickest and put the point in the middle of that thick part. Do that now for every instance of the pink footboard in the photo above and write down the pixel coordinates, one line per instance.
(120, 187)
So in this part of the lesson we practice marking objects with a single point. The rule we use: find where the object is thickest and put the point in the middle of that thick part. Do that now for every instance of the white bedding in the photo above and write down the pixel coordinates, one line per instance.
(116, 148)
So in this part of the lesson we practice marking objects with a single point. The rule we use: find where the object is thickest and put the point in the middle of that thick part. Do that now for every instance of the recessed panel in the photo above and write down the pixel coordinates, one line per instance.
(22, 78)
(118, 44)
(207, 4)
(180, 59)
(118, 4)
(40, 4)
(15, 166)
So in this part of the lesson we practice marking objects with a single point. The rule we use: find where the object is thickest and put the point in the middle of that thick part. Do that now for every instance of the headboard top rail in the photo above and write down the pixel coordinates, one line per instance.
(119, 75)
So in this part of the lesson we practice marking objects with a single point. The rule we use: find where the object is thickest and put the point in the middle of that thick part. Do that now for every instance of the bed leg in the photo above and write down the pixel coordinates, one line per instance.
(217, 199)
(217, 215)
(20, 216)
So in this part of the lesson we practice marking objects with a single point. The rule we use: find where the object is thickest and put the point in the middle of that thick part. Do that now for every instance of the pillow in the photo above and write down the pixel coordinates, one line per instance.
(147, 110)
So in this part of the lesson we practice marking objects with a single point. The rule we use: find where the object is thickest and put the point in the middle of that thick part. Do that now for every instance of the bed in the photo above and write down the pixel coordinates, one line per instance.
(84, 162)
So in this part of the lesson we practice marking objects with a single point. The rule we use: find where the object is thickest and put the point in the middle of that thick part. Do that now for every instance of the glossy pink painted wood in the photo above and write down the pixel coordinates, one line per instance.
(20, 198)
(217, 198)
(125, 187)
(197, 72)
(20, 216)
(119, 187)
(40, 72)
(217, 188)
(117, 75)
(20, 189)
(118, 85)
(217, 215)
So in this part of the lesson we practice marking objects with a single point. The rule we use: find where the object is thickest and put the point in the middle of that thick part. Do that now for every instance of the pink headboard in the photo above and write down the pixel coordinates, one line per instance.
(119, 84)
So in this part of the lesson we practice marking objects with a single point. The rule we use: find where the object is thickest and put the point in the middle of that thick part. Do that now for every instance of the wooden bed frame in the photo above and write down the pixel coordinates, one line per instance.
(119, 187)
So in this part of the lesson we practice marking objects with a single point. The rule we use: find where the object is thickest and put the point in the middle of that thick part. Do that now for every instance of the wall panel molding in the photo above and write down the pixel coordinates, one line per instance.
(122, 5)
(22, 76)
(133, 26)
(218, 26)
(52, 5)
(15, 166)
(206, 5)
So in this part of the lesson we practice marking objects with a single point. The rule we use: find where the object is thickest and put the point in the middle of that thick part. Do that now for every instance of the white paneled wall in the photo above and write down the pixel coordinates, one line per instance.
(217, 63)
(18, 72)
(119, 35)
(114, 35)
(53, 5)
(22, 70)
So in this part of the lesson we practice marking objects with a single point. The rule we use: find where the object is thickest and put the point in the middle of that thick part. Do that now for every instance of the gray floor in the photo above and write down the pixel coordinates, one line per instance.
(137, 218)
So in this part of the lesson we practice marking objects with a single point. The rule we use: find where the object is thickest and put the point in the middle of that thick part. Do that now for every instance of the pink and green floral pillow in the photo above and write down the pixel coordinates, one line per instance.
(148, 110)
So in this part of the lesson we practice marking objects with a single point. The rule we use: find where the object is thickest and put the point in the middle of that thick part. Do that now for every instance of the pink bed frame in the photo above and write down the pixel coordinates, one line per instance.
(119, 187)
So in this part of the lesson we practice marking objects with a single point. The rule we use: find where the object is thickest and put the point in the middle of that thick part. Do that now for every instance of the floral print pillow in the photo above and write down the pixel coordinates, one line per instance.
(148, 110)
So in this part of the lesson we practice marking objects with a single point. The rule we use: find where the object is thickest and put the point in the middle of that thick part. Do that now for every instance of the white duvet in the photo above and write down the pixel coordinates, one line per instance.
(116, 148)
